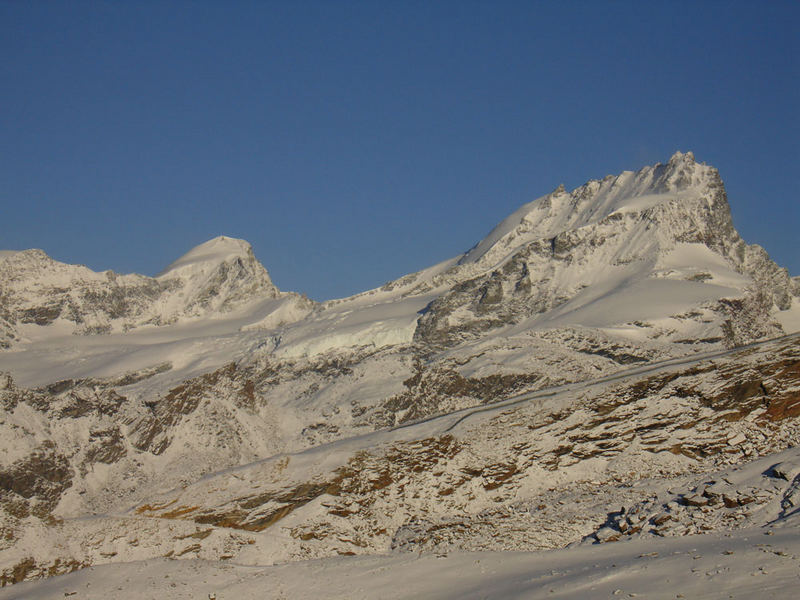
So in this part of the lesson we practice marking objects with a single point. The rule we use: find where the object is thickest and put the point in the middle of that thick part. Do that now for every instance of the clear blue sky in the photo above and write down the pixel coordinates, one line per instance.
(354, 142)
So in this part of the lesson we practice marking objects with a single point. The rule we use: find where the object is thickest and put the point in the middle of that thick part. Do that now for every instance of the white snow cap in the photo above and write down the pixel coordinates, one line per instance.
(216, 250)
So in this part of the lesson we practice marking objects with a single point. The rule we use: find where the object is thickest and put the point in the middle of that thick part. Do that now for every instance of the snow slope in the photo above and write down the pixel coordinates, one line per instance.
(743, 565)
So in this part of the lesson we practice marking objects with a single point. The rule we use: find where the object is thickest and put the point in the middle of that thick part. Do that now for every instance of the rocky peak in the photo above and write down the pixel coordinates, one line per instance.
(679, 187)
(661, 223)
(209, 254)
(219, 275)
(680, 172)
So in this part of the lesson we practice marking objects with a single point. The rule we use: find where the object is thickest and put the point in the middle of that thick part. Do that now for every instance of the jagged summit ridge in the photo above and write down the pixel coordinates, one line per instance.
(681, 179)
(612, 252)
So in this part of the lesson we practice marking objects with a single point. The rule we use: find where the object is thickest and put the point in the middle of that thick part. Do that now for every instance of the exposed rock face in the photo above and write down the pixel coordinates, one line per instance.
(86, 426)
(33, 485)
(440, 390)
(154, 430)
(769, 277)
(38, 290)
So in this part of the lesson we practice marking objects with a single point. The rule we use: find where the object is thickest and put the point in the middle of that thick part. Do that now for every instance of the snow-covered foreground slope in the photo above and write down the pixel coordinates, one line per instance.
(743, 565)
(591, 353)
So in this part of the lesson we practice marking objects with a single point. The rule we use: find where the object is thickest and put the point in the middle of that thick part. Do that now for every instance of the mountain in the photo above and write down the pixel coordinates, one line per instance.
(597, 347)
(215, 278)
(641, 246)
(637, 252)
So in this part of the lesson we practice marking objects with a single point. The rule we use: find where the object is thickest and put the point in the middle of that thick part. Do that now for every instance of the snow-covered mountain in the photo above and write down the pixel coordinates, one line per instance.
(637, 251)
(43, 298)
(652, 254)
(592, 337)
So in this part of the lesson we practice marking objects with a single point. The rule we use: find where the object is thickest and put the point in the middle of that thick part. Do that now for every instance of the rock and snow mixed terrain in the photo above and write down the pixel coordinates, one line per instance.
(609, 364)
